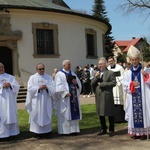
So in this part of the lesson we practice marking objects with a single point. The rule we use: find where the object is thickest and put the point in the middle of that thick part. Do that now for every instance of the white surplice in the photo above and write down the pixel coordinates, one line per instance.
(8, 106)
(145, 89)
(118, 89)
(62, 105)
(39, 103)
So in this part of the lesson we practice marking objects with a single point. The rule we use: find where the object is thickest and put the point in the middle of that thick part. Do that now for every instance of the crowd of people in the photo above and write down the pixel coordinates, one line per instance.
(86, 76)
(121, 94)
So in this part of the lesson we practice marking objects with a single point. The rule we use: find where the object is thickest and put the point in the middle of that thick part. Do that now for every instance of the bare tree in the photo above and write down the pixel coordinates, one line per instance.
(140, 6)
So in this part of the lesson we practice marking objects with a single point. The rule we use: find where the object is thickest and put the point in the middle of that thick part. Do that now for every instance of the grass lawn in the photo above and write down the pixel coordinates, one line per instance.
(89, 123)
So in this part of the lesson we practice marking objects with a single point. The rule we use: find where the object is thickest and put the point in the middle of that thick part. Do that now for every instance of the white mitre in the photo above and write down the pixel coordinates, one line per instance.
(133, 52)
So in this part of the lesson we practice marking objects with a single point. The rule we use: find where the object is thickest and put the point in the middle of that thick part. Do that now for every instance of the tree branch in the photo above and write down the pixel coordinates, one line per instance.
(140, 4)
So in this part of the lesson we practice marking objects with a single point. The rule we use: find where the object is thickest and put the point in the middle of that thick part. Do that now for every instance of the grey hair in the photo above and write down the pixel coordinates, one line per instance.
(65, 61)
(104, 60)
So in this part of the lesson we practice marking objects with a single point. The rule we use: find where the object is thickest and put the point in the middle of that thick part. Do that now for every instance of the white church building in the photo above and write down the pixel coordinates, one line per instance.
(47, 31)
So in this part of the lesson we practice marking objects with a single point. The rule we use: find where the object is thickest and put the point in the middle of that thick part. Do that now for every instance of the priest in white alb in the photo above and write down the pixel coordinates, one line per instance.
(136, 85)
(118, 94)
(68, 88)
(9, 89)
(40, 93)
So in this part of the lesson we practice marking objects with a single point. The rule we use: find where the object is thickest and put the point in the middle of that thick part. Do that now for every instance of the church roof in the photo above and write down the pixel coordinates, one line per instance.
(46, 5)
(35, 4)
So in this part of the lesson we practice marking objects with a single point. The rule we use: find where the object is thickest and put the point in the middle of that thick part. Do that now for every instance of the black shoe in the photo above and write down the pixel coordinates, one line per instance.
(47, 136)
(75, 134)
(12, 138)
(64, 134)
(39, 136)
(4, 139)
(102, 132)
(134, 137)
(111, 133)
(144, 137)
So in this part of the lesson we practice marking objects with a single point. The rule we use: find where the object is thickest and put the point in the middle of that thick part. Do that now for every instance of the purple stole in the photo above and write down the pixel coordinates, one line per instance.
(74, 103)
(137, 99)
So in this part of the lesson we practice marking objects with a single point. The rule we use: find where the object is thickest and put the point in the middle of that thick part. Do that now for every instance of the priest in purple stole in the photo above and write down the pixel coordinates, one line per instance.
(67, 105)
(136, 85)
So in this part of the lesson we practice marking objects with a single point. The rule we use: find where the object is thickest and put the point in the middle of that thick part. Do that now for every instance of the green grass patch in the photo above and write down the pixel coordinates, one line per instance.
(89, 118)
(89, 123)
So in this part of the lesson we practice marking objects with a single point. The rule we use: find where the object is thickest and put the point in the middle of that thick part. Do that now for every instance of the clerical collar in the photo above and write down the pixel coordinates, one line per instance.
(113, 67)
(66, 70)
(135, 68)
(102, 71)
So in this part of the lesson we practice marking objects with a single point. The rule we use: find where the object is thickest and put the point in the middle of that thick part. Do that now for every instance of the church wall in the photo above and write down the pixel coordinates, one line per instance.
(71, 38)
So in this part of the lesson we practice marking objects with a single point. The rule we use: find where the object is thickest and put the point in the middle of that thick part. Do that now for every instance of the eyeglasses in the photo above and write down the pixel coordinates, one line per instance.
(41, 69)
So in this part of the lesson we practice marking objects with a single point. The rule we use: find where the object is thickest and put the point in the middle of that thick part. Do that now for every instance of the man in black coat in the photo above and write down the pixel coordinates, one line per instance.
(103, 84)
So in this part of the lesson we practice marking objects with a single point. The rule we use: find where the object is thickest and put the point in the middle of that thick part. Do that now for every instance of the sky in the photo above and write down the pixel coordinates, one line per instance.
(124, 27)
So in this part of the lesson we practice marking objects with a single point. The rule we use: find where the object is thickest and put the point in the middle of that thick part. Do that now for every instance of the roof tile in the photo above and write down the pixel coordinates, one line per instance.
(127, 43)
(36, 4)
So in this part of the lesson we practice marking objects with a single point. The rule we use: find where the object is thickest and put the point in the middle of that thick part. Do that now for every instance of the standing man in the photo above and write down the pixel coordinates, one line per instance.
(9, 89)
(86, 82)
(117, 90)
(103, 84)
(92, 73)
(68, 88)
(41, 89)
(136, 86)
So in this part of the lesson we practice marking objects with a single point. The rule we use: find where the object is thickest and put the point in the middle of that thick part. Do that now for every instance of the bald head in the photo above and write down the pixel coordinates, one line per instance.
(2, 68)
(40, 68)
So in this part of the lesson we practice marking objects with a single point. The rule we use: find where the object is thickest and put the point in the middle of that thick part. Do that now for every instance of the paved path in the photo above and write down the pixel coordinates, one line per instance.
(86, 140)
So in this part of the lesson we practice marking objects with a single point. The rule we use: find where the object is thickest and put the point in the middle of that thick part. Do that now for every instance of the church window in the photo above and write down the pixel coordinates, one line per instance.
(91, 44)
(45, 38)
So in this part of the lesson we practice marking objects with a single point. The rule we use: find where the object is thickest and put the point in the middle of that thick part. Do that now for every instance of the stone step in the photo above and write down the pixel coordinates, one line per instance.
(21, 98)
(23, 90)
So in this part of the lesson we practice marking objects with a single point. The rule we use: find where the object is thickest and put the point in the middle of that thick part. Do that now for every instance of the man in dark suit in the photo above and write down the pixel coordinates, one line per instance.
(103, 84)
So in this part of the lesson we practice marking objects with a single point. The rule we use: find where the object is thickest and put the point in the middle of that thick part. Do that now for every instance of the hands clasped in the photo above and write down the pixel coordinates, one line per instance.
(42, 87)
(136, 83)
(6, 84)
